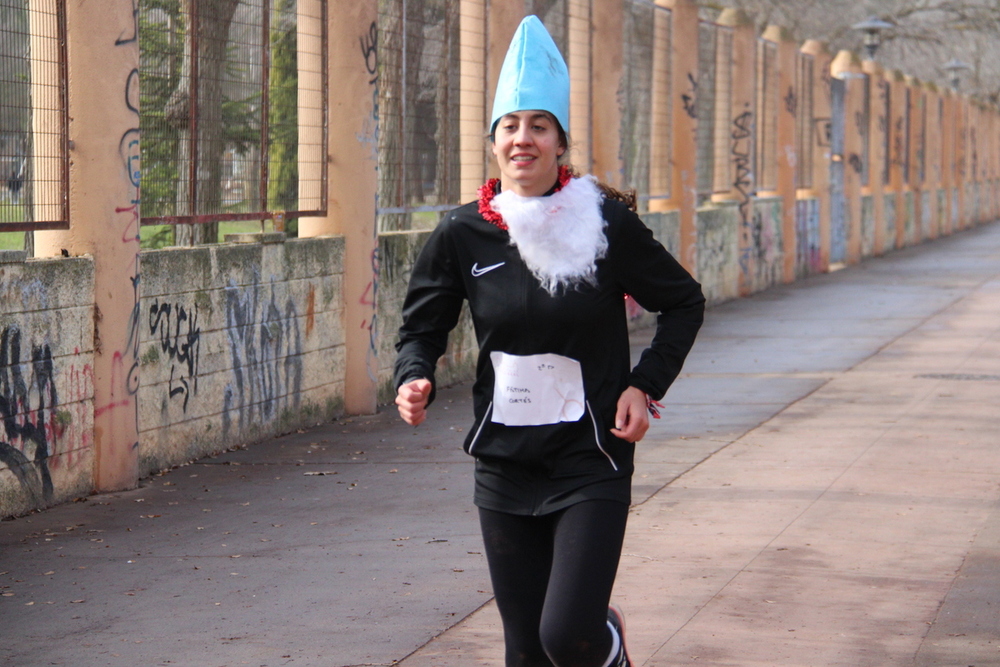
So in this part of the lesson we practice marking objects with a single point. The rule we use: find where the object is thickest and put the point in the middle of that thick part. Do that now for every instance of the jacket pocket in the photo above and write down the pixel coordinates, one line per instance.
(479, 430)
(597, 437)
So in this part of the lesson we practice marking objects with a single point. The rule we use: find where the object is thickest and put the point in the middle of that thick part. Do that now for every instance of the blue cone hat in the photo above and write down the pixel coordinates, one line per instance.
(534, 75)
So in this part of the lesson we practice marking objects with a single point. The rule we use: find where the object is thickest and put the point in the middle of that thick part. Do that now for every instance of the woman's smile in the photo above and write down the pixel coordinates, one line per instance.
(527, 147)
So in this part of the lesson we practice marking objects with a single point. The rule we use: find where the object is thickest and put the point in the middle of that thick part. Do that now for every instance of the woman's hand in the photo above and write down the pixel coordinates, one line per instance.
(411, 399)
(632, 418)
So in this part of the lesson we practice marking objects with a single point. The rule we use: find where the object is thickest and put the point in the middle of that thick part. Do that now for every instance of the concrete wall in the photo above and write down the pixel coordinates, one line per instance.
(238, 342)
(809, 257)
(46, 381)
(718, 247)
(397, 252)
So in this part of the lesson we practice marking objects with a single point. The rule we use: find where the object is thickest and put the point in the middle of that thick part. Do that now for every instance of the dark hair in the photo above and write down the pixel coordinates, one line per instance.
(628, 197)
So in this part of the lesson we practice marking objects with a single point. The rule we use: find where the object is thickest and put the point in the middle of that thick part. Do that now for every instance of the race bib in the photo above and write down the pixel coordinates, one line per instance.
(536, 389)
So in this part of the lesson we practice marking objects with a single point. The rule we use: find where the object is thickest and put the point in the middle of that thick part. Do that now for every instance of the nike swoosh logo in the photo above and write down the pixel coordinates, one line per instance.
(476, 271)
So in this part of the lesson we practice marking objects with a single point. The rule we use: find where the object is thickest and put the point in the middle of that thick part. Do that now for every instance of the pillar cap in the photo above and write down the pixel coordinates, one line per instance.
(777, 33)
(845, 62)
(872, 68)
(816, 47)
(734, 18)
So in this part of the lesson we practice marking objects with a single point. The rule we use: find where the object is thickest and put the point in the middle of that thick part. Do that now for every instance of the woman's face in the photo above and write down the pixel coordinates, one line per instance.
(527, 147)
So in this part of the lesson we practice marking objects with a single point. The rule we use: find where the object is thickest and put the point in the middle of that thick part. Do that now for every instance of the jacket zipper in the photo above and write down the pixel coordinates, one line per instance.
(479, 430)
(597, 437)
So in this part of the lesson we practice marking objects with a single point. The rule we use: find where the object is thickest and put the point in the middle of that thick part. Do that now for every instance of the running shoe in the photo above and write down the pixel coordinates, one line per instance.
(617, 621)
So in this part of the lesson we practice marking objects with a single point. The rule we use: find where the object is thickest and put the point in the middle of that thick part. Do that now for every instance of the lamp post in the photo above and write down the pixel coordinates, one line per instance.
(872, 27)
(955, 67)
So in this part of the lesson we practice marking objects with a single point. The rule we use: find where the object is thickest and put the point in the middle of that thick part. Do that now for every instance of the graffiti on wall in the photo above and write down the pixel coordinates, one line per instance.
(741, 151)
(28, 404)
(265, 345)
(179, 335)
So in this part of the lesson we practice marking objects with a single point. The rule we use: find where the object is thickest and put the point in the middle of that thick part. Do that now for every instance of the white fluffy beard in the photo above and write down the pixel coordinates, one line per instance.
(559, 237)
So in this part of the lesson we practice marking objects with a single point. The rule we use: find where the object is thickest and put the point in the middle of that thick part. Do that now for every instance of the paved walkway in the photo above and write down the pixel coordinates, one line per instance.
(823, 491)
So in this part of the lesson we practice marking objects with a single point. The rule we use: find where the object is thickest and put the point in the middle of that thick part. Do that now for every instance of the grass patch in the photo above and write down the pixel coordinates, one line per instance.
(11, 240)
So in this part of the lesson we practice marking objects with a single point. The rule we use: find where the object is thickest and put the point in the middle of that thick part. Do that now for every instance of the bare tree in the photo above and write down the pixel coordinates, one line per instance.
(926, 33)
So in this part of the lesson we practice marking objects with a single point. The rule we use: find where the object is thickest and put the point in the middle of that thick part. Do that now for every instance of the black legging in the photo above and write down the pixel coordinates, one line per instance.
(552, 577)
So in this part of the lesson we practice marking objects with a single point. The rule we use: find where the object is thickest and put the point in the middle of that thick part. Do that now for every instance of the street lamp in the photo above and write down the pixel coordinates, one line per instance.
(872, 27)
(955, 67)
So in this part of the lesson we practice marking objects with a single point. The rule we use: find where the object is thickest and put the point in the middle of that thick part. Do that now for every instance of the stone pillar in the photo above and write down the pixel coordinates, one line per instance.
(932, 154)
(351, 189)
(914, 182)
(948, 160)
(961, 120)
(579, 61)
(897, 145)
(741, 137)
(847, 66)
(684, 68)
(821, 142)
(103, 47)
(608, 58)
(877, 128)
(472, 103)
(785, 183)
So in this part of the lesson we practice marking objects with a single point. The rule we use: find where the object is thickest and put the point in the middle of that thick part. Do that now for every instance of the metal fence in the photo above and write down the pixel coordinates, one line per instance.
(233, 110)
(34, 156)
(418, 92)
(661, 114)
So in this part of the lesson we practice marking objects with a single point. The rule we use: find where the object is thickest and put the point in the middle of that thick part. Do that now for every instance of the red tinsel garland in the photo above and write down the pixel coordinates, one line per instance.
(488, 191)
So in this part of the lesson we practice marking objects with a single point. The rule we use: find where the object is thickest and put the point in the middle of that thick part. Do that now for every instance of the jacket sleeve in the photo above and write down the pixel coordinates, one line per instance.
(661, 285)
(430, 311)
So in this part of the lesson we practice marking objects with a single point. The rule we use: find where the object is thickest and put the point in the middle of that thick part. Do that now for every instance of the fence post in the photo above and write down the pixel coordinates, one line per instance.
(104, 210)
(351, 189)
(684, 77)
(914, 184)
(786, 158)
(877, 155)
(741, 115)
(819, 135)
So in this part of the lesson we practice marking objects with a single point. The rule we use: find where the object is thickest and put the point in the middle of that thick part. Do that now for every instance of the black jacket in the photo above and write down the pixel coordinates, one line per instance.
(466, 257)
